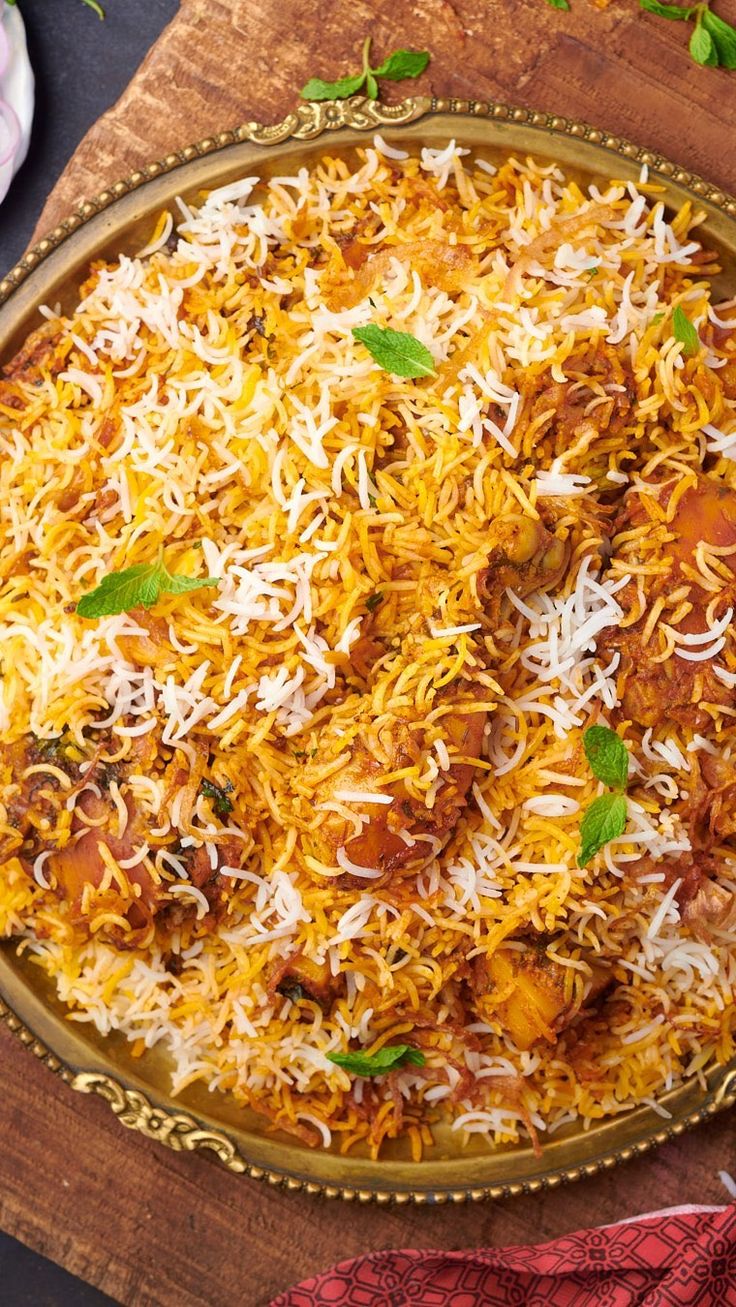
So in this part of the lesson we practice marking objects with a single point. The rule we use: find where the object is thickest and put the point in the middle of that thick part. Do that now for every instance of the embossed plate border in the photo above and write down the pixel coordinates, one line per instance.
(137, 1104)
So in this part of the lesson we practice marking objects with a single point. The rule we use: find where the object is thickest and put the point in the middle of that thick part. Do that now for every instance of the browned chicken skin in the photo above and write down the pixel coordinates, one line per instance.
(524, 556)
(379, 846)
(530, 995)
(675, 686)
(299, 977)
(87, 846)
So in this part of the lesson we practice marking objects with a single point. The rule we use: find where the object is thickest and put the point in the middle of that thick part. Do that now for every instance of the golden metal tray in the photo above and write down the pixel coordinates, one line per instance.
(120, 219)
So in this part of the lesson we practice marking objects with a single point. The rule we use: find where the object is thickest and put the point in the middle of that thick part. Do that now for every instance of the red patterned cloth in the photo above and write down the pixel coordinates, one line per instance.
(684, 1257)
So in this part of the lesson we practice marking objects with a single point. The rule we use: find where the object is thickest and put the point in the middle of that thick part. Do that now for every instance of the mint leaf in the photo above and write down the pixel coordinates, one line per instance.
(388, 1058)
(684, 331)
(666, 11)
(723, 36)
(607, 756)
(604, 820)
(402, 64)
(559, 4)
(702, 48)
(397, 352)
(137, 587)
(316, 89)
(371, 87)
(174, 584)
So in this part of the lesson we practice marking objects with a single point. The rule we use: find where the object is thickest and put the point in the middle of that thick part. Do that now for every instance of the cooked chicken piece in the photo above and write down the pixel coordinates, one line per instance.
(30, 786)
(524, 556)
(713, 907)
(559, 409)
(152, 650)
(726, 340)
(438, 263)
(101, 840)
(407, 831)
(37, 351)
(531, 996)
(713, 804)
(703, 903)
(89, 846)
(727, 376)
(693, 870)
(667, 562)
(82, 861)
(299, 977)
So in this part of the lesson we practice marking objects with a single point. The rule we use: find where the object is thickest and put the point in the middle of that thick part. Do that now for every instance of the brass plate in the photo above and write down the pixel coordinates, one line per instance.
(120, 220)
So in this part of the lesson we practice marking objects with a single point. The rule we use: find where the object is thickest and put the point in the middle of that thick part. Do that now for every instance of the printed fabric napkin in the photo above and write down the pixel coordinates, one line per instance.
(682, 1257)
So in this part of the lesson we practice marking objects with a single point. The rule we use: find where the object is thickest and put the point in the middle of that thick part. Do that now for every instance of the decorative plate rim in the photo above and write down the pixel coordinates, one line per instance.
(182, 1131)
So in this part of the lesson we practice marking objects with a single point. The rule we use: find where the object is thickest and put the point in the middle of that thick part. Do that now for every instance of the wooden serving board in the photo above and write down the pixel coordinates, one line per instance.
(146, 1225)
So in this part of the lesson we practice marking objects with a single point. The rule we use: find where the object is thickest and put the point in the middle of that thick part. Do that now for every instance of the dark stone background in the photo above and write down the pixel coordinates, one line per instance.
(81, 67)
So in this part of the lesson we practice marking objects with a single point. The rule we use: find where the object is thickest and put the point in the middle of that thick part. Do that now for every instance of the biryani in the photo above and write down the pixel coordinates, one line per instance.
(368, 561)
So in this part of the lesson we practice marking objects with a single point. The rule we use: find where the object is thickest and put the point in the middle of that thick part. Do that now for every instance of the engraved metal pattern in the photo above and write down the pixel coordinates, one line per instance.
(178, 1130)
(175, 1129)
(183, 1133)
(313, 119)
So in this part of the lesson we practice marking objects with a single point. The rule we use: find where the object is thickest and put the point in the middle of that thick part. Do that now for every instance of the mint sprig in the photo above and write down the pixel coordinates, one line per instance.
(713, 41)
(137, 587)
(605, 818)
(389, 1058)
(396, 68)
(395, 351)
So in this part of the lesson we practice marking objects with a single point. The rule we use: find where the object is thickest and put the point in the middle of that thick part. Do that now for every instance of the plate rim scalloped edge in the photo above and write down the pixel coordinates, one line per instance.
(182, 1131)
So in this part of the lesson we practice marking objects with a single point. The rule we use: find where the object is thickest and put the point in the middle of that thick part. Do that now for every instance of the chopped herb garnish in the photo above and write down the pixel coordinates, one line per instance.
(605, 817)
(684, 331)
(713, 41)
(592, 272)
(373, 601)
(137, 587)
(388, 1058)
(218, 794)
(396, 68)
(397, 352)
(559, 4)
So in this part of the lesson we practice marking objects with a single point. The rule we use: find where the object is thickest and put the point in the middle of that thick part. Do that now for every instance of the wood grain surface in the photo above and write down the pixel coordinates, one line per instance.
(148, 1226)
